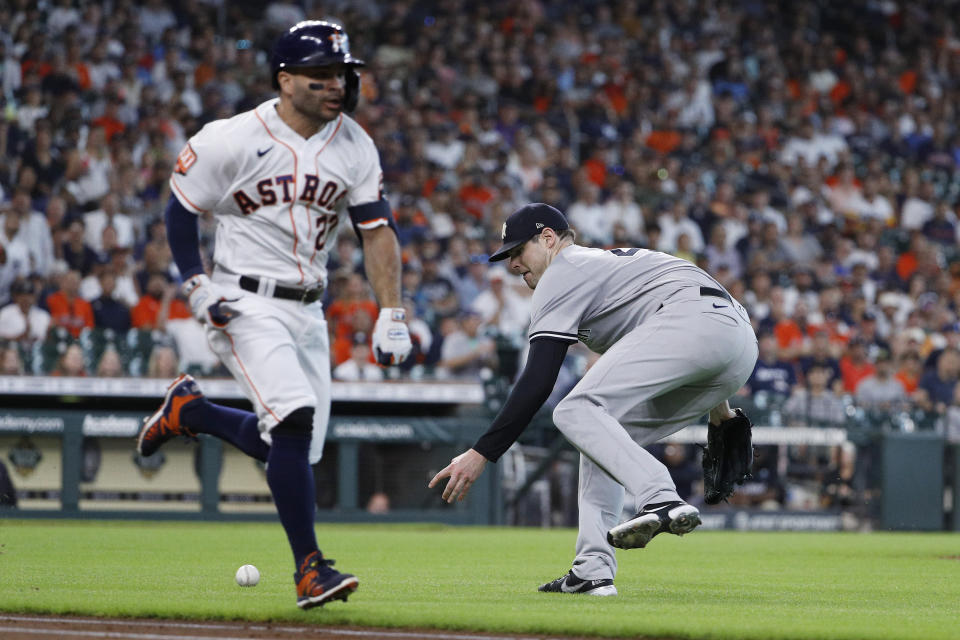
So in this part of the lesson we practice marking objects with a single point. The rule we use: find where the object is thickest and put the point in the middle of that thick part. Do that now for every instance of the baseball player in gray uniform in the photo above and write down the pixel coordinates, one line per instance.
(675, 346)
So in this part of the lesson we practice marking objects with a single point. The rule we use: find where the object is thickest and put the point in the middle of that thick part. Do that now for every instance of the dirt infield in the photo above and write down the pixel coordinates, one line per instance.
(31, 627)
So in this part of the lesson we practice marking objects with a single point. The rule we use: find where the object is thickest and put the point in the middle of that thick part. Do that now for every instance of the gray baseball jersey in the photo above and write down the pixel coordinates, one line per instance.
(671, 352)
(599, 296)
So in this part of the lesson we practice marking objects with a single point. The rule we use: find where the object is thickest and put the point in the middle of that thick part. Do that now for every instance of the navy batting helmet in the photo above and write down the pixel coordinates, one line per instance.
(315, 43)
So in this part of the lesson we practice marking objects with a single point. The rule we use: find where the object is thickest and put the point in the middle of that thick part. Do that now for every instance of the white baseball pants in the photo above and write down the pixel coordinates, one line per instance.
(279, 352)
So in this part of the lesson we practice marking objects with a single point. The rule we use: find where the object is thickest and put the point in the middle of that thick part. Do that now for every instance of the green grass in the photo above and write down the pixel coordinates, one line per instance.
(706, 585)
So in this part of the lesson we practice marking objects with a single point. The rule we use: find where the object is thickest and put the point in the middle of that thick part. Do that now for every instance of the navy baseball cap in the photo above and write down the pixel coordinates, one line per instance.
(526, 222)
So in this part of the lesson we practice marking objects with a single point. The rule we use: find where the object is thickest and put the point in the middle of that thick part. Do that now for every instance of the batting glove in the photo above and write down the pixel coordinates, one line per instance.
(207, 304)
(391, 337)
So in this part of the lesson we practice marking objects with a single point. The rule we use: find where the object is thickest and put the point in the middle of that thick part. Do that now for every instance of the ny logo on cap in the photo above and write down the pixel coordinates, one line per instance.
(503, 232)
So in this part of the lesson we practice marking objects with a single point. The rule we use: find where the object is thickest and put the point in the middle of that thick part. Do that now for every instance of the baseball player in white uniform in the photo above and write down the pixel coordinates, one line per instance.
(279, 179)
(675, 346)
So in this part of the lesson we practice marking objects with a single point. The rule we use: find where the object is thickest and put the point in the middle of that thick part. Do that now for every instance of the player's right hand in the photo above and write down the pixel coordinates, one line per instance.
(463, 471)
(207, 304)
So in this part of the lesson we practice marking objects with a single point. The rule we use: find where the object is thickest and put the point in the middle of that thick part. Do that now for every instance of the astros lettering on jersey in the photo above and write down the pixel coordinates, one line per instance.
(277, 197)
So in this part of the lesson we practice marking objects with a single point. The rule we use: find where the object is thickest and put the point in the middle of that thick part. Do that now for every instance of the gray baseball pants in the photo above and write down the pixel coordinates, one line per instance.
(687, 358)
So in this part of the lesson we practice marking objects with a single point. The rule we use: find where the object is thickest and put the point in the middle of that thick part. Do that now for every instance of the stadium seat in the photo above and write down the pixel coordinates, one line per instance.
(96, 341)
(49, 351)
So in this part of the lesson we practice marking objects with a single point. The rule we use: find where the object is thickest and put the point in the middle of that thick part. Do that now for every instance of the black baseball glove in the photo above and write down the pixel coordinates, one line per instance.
(727, 458)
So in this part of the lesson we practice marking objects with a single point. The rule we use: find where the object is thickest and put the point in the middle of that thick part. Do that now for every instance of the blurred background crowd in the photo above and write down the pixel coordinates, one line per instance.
(805, 154)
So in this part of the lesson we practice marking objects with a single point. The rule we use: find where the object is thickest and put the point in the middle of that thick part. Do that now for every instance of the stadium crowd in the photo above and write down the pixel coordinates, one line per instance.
(806, 154)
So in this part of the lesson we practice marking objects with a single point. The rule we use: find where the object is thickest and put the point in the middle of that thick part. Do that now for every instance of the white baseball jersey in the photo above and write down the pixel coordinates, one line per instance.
(277, 196)
(278, 199)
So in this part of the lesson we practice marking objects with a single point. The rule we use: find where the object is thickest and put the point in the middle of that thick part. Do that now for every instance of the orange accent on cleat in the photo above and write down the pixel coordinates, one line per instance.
(165, 424)
(317, 583)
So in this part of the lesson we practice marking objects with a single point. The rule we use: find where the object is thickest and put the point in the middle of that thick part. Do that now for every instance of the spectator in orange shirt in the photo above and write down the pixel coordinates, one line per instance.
(110, 120)
(353, 310)
(75, 63)
(835, 327)
(475, 195)
(908, 260)
(854, 365)
(67, 308)
(342, 345)
(157, 305)
(911, 368)
(790, 331)
(663, 140)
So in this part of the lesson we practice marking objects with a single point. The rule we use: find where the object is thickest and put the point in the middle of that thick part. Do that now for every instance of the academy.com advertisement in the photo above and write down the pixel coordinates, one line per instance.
(31, 444)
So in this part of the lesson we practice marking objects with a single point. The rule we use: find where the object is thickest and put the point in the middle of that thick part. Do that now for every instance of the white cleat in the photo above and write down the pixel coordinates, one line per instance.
(676, 517)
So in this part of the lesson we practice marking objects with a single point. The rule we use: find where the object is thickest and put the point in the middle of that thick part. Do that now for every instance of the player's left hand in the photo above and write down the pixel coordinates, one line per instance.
(463, 471)
(222, 312)
(208, 305)
(391, 337)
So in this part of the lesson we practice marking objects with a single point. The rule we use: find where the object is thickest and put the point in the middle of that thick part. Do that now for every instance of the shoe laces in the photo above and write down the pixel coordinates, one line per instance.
(312, 573)
(315, 562)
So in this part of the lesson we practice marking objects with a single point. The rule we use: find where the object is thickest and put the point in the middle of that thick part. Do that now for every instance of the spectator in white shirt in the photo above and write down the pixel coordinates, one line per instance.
(14, 255)
(844, 196)
(676, 222)
(693, 104)
(108, 215)
(22, 319)
(526, 164)
(622, 207)
(89, 170)
(808, 146)
(154, 18)
(918, 208)
(420, 332)
(10, 74)
(589, 217)
(501, 306)
(445, 149)
(720, 255)
(102, 69)
(798, 246)
(815, 404)
(872, 205)
(61, 17)
(358, 366)
(34, 232)
(800, 290)
(864, 252)
(466, 350)
(760, 205)
(32, 108)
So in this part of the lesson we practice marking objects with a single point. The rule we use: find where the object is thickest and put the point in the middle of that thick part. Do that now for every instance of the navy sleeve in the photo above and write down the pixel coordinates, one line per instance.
(372, 215)
(532, 389)
(184, 238)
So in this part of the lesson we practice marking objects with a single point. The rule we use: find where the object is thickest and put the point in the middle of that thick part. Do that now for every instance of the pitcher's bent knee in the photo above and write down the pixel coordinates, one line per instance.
(571, 411)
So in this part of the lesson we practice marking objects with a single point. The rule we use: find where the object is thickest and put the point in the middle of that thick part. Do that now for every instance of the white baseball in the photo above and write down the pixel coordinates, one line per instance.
(248, 576)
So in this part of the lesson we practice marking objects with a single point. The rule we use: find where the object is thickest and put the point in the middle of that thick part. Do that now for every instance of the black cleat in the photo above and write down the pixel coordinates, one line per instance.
(569, 583)
(676, 517)
(318, 583)
(165, 423)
